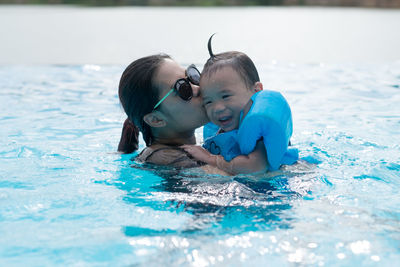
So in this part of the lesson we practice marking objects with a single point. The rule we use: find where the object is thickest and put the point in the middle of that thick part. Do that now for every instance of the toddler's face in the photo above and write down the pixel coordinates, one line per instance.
(224, 95)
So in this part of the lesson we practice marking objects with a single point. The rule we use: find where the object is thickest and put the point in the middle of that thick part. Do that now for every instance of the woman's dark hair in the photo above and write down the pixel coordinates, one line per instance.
(138, 95)
(239, 61)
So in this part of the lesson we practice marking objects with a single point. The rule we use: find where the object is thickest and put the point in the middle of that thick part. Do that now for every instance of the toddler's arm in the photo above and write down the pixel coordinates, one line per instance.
(256, 161)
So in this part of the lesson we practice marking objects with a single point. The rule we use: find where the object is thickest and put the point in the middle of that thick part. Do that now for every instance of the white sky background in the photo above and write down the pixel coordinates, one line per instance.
(87, 35)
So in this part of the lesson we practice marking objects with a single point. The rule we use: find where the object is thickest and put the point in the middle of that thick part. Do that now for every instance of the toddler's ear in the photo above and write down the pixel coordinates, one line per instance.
(154, 120)
(258, 86)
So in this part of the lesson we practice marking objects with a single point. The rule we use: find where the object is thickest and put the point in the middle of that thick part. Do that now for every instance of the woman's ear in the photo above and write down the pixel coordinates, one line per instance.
(154, 120)
(258, 86)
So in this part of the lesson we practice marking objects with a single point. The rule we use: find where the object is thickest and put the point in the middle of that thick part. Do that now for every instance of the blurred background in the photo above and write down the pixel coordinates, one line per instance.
(363, 3)
(119, 31)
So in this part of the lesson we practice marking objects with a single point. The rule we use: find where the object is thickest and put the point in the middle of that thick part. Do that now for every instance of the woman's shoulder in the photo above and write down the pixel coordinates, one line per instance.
(165, 155)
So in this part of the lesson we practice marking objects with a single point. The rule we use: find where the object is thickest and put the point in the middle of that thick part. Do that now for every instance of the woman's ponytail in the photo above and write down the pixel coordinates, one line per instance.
(138, 96)
(129, 138)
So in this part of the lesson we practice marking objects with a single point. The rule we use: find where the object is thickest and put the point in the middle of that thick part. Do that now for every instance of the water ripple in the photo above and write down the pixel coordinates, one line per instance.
(66, 197)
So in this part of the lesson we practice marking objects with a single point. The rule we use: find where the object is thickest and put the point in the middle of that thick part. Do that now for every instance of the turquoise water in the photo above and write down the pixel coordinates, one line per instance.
(66, 197)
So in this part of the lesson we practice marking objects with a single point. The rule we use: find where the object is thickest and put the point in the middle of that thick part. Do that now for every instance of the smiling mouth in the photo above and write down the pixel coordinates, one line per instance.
(225, 121)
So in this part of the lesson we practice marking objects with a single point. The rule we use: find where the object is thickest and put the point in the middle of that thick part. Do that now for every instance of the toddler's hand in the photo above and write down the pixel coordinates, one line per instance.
(198, 153)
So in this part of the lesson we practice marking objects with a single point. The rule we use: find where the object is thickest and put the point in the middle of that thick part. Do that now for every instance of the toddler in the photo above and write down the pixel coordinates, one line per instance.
(227, 83)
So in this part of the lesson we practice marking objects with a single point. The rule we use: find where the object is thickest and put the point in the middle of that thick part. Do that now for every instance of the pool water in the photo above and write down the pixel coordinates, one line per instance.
(66, 197)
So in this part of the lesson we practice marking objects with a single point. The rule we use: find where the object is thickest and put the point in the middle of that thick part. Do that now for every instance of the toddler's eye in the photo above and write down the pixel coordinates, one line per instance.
(225, 96)
(206, 103)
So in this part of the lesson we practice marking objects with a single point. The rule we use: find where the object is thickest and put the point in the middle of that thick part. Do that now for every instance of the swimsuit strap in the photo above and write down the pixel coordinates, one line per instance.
(175, 161)
(160, 149)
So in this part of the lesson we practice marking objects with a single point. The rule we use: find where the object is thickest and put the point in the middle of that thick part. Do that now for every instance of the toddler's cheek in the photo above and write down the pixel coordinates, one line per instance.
(213, 120)
(209, 115)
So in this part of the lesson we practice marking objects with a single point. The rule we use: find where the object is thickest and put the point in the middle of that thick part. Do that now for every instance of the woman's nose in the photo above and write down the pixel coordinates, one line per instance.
(196, 90)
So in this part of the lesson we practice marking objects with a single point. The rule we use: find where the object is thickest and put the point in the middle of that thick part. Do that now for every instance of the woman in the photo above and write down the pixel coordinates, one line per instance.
(163, 101)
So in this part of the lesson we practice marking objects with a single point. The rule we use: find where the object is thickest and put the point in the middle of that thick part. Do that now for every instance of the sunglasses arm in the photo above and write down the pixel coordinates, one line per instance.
(162, 99)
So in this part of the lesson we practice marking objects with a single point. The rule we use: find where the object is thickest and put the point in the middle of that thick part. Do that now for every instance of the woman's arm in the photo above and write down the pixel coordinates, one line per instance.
(256, 161)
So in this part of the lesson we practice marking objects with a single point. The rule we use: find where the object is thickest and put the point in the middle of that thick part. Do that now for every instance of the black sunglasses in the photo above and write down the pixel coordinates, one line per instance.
(182, 85)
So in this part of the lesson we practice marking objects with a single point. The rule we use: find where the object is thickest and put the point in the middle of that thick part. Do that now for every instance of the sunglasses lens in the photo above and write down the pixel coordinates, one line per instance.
(193, 74)
(184, 89)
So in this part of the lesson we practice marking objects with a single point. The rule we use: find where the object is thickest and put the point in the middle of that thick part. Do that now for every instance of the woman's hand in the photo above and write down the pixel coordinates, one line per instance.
(199, 153)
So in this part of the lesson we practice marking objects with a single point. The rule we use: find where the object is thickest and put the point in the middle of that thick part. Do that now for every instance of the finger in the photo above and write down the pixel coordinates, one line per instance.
(187, 149)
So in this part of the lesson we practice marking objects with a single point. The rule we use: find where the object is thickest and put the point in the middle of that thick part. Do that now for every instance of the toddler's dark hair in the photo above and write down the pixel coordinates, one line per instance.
(239, 61)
